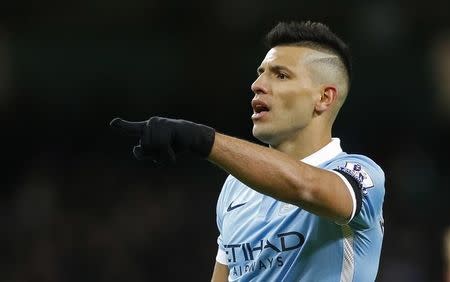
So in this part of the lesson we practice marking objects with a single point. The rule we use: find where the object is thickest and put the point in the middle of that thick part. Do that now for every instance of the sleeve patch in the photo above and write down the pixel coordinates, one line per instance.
(359, 174)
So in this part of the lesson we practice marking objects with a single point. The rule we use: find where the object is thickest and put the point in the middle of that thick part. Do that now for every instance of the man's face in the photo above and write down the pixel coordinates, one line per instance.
(285, 96)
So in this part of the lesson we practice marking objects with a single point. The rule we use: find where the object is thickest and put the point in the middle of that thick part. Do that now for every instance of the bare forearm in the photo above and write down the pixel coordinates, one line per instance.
(220, 273)
(264, 169)
(276, 174)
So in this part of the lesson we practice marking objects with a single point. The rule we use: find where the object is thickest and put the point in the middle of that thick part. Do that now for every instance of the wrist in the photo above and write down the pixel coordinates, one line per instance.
(201, 137)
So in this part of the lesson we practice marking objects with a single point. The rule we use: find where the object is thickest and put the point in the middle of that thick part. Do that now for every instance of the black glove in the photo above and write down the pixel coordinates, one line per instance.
(161, 139)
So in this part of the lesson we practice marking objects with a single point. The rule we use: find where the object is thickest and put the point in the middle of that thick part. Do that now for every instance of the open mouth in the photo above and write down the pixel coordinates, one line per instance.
(259, 109)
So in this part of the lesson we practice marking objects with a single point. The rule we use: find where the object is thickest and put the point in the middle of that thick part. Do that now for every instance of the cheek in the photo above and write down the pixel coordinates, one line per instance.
(300, 102)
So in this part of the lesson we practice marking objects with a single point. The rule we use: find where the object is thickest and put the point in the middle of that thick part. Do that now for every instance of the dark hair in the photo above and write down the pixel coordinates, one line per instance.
(311, 34)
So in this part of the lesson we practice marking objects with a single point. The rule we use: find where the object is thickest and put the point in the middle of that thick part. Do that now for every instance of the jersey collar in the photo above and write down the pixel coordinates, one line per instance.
(328, 152)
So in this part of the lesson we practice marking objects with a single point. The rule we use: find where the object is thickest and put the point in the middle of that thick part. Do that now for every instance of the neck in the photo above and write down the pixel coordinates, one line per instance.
(305, 142)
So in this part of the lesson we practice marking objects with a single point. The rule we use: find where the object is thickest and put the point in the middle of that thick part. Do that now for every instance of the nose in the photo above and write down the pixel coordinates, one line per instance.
(259, 86)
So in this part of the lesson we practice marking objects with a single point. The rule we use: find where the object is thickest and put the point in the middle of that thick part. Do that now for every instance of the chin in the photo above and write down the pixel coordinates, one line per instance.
(262, 135)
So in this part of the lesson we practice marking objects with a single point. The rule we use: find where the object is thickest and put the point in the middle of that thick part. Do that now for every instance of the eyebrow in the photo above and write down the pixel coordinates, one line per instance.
(275, 68)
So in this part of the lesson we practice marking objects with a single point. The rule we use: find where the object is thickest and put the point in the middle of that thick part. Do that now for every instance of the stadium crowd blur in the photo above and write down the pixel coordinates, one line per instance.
(76, 206)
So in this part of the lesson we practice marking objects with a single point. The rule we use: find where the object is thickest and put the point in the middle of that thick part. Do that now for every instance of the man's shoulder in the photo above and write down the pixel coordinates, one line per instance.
(347, 160)
(361, 167)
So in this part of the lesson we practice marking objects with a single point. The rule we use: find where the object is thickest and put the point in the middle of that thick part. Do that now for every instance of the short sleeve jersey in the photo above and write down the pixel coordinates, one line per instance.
(264, 239)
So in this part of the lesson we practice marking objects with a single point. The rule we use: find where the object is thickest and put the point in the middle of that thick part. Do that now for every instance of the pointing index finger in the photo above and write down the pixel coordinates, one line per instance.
(130, 128)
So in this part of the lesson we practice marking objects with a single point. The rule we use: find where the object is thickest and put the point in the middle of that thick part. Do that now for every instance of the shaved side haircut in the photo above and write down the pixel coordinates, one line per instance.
(326, 67)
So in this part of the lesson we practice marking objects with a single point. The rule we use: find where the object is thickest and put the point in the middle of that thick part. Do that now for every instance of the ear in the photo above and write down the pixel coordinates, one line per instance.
(328, 97)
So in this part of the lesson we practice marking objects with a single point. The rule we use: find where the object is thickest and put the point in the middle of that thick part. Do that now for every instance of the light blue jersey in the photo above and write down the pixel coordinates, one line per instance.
(263, 239)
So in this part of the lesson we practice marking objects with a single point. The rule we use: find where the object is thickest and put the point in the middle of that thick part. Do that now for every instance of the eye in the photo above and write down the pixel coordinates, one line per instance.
(282, 76)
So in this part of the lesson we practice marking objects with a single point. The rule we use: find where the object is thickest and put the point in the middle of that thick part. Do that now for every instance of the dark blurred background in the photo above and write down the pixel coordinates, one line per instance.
(76, 206)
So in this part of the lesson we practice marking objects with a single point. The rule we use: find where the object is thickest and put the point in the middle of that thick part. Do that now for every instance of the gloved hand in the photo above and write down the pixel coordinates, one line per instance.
(161, 139)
